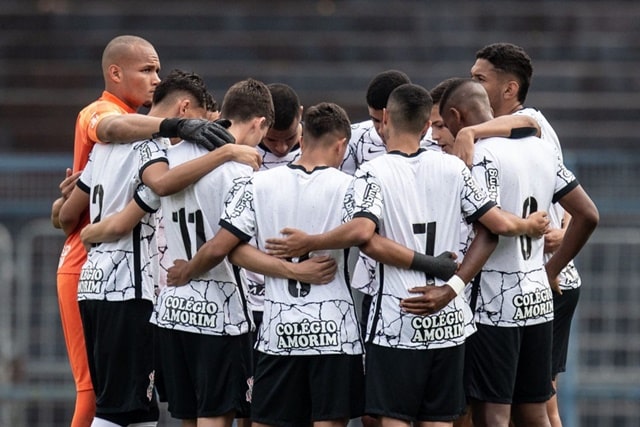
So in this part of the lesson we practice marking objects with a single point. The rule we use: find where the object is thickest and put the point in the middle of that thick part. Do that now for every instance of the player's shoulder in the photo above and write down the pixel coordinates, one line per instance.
(362, 132)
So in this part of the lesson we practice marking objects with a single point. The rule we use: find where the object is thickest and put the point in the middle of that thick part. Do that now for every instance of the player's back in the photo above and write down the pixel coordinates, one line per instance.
(520, 176)
(213, 303)
(523, 176)
(125, 268)
(418, 201)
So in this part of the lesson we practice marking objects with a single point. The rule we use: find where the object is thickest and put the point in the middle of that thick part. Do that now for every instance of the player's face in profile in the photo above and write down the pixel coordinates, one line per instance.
(376, 117)
(439, 131)
(140, 75)
(491, 79)
(280, 142)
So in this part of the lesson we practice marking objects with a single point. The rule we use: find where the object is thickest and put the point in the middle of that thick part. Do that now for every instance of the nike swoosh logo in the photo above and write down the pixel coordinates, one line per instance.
(371, 150)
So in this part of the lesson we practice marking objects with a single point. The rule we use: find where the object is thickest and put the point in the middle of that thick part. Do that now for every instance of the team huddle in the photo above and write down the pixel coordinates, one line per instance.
(208, 264)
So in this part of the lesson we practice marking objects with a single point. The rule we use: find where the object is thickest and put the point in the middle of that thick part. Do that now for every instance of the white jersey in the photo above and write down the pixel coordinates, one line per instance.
(214, 303)
(365, 144)
(569, 277)
(299, 318)
(417, 200)
(255, 281)
(270, 160)
(127, 268)
(522, 176)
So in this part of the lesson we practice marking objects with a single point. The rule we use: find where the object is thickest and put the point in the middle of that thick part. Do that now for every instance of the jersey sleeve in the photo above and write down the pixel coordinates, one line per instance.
(84, 182)
(475, 201)
(486, 172)
(151, 151)
(100, 110)
(239, 215)
(565, 182)
(147, 199)
(368, 195)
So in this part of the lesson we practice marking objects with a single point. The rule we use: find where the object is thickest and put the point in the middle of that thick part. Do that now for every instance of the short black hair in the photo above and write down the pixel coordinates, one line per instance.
(437, 92)
(511, 59)
(409, 107)
(325, 118)
(382, 85)
(247, 99)
(182, 81)
(286, 105)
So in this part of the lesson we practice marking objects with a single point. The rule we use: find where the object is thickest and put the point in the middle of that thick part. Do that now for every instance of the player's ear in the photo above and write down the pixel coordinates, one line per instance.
(511, 89)
(115, 73)
(184, 106)
(425, 129)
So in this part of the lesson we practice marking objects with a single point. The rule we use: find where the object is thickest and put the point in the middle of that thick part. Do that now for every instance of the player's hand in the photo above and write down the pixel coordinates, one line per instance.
(463, 146)
(431, 299)
(84, 237)
(552, 239)
(554, 282)
(538, 224)
(177, 274)
(67, 184)
(244, 154)
(318, 270)
(295, 243)
(205, 133)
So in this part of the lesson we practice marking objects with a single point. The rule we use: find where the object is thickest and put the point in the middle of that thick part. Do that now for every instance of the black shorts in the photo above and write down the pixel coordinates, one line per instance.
(209, 375)
(509, 365)
(564, 306)
(120, 349)
(293, 391)
(415, 385)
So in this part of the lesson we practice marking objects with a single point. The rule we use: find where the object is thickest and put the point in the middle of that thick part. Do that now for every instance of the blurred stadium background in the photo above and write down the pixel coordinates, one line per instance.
(586, 57)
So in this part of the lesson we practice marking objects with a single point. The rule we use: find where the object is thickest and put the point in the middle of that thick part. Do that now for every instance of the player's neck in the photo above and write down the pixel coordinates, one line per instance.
(510, 109)
(312, 159)
(404, 143)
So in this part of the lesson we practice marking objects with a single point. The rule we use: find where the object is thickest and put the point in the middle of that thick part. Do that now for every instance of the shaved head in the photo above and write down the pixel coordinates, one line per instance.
(464, 103)
(122, 49)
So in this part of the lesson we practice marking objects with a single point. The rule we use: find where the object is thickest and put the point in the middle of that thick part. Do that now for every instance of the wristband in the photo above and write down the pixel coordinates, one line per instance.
(456, 283)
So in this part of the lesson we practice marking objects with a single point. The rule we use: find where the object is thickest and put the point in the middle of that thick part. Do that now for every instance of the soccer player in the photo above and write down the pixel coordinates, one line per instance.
(130, 67)
(204, 326)
(279, 147)
(402, 193)
(505, 71)
(512, 301)
(116, 287)
(281, 144)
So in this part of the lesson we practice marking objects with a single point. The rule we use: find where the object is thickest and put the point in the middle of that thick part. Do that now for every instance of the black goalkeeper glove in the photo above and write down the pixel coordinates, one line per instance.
(442, 266)
(205, 133)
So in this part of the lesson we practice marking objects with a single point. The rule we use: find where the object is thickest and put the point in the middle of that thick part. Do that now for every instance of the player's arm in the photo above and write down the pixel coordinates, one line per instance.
(553, 237)
(584, 219)
(208, 256)
(386, 251)
(317, 270)
(431, 299)
(508, 126)
(504, 223)
(66, 187)
(73, 209)
(165, 181)
(113, 227)
(297, 243)
(125, 128)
